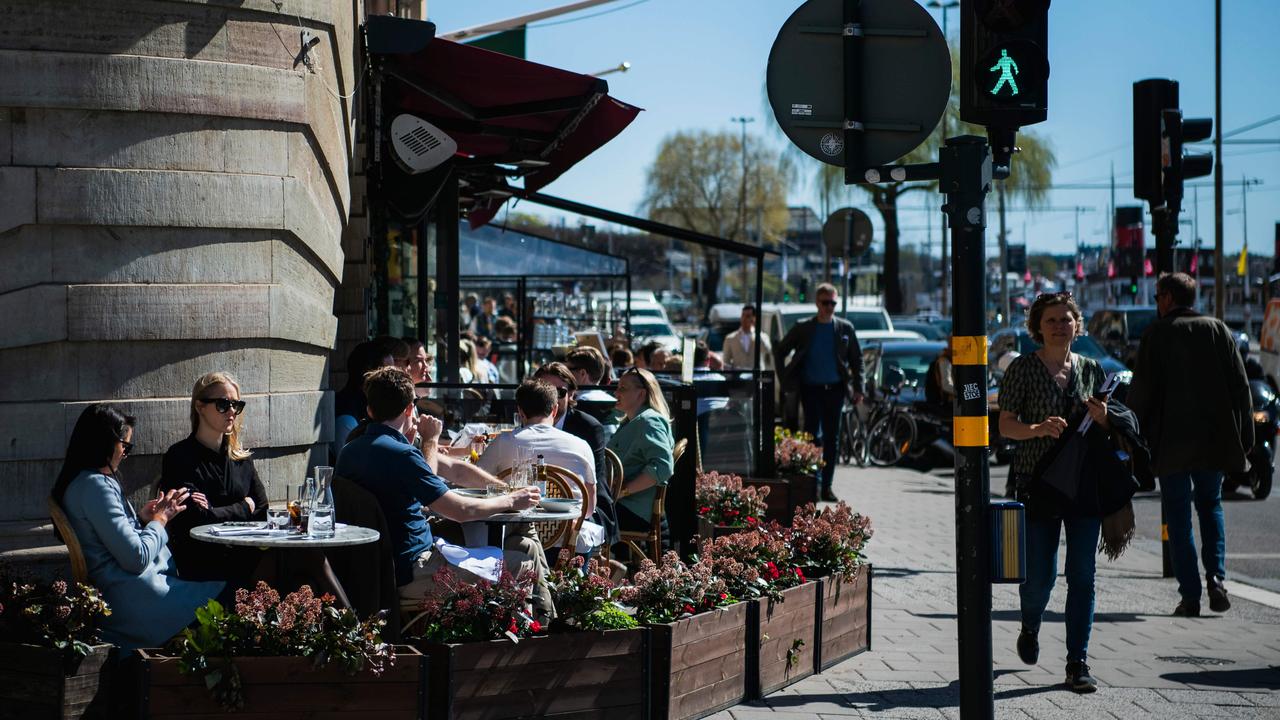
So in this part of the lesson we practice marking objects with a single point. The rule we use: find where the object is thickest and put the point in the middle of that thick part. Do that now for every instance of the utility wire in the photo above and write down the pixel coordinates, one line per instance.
(586, 17)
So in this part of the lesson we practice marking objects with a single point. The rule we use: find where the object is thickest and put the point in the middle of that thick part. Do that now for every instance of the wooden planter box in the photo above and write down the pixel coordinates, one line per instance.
(38, 682)
(782, 640)
(844, 618)
(283, 688)
(699, 663)
(573, 674)
(785, 495)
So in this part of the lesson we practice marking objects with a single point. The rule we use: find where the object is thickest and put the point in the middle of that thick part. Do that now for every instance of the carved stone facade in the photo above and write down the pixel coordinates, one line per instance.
(175, 197)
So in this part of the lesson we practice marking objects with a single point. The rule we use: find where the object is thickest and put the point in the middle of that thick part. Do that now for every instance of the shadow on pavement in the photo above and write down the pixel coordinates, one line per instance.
(882, 700)
(1244, 679)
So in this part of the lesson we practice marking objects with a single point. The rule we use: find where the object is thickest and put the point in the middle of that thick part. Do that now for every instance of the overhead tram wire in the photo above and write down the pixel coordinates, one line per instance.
(551, 23)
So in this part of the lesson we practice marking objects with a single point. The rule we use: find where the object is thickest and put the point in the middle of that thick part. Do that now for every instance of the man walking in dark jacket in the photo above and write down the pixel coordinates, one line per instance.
(1192, 399)
(827, 362)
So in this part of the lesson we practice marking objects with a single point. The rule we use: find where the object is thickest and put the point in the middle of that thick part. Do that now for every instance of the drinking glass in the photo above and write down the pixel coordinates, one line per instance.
(495, 488)
(278, 516)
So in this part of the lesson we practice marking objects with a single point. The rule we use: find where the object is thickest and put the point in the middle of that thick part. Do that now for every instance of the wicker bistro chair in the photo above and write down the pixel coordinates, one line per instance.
(653, 536)
(560, 484)
(79, 568)
(613, 476)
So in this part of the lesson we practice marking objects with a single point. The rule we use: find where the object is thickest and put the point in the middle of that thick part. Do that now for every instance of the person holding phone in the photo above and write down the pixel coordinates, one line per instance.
(125, 550)
(220, 477)
(1039, 394)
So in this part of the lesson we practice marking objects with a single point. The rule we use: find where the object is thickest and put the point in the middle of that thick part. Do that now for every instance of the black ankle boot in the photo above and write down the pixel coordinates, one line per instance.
(1079, 679)
(1218, 600)
(1028, 647)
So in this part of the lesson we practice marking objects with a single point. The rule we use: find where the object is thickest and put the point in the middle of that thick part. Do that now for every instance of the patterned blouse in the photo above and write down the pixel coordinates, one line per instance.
(1029, 391)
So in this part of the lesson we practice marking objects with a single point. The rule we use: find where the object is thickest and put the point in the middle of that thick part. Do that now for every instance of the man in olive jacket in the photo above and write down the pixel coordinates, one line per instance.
(1192, 399)
(827, 362)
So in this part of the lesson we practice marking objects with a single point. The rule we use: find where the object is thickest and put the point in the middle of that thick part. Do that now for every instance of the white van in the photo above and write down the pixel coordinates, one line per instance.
(779, 318)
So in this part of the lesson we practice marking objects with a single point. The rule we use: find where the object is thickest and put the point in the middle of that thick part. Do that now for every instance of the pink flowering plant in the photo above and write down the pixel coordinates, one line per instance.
(673, 590)
(795, 453)
(722, 499)
(262, 624)
(458, 610)
(54, 614)
(756, 563)
(831, 541)
(583, 593)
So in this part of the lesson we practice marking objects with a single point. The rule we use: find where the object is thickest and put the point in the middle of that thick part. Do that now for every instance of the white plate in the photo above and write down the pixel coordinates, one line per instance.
(560, 504)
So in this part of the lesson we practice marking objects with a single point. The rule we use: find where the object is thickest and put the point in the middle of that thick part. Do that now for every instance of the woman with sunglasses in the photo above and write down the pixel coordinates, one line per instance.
(124, 550)
(218, 472)
(644, 444)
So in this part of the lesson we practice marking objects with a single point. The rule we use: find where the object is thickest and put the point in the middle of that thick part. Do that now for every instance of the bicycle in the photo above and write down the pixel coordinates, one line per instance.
(893, 429)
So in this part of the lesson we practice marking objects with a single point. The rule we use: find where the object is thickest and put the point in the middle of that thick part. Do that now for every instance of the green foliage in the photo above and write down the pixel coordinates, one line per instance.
(55, 615)
(263, 625)
(456, 610)
(609, 617)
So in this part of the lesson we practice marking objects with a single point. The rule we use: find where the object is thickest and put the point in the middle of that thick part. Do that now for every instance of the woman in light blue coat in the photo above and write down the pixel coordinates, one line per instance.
(126, 551)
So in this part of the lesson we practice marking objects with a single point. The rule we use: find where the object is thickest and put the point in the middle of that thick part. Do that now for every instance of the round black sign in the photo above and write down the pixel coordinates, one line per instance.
(905, 79)
(847, 232)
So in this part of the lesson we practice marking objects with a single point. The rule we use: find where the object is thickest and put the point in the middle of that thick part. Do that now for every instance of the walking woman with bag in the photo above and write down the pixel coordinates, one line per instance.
(1043, 396)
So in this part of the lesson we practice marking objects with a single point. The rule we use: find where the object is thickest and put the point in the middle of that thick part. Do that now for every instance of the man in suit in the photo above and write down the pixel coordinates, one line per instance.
(825, 366)
(575, 422)
(1191, 395)
(739, 349)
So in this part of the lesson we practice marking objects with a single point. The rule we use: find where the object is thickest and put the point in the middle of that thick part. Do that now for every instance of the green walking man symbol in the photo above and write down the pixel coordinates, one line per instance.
(1007, 68)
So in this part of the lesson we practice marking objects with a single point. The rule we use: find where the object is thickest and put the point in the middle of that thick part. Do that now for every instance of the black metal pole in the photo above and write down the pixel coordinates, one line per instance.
(966, 180)
(447, 275)
(852, 48)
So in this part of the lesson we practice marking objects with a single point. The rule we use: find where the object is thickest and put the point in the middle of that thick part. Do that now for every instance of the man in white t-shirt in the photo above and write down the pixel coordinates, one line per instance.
(537, 404)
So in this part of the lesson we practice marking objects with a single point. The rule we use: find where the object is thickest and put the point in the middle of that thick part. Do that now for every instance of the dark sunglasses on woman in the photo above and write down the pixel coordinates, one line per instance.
(223, 404)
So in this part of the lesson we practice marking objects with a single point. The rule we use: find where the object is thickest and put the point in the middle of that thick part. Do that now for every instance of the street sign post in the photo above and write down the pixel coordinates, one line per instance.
(859, 83)
(847, 232)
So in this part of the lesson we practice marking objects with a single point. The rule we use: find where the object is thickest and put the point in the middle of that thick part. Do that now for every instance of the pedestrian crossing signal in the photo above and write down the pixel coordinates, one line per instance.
(1004, 62)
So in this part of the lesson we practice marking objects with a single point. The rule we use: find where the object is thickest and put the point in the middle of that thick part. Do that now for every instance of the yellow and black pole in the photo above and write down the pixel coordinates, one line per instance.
(966, 180)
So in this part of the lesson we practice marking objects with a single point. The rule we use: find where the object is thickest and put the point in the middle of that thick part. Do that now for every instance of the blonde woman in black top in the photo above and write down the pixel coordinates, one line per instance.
(213, 465)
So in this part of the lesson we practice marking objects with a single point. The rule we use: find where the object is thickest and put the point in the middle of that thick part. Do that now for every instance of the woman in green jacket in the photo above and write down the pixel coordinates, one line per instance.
(644, 444)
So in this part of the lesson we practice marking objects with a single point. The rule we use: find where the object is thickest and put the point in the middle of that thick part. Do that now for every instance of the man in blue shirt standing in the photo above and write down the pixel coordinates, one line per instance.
(384, 461)
(826, 367)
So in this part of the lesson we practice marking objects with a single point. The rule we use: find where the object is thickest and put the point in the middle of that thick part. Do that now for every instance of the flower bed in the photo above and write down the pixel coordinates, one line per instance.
(287, 657)
(41, 682)
(830, 543)
(282, 688)
(52, 662)
(699, 663)
(488, 661)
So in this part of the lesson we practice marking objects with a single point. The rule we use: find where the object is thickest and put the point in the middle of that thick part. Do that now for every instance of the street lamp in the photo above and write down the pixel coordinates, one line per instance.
(623, 67)
(944, 7)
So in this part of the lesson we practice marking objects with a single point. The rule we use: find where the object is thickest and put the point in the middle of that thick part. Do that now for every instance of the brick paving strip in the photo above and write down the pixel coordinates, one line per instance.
(1148, 663)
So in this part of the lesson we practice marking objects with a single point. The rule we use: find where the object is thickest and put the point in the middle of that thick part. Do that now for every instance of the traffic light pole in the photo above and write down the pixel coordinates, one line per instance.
(966, 180)
(964, 172)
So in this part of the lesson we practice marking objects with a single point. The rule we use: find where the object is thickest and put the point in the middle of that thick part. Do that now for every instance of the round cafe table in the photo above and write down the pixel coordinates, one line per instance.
(496, 525)
(344, 536)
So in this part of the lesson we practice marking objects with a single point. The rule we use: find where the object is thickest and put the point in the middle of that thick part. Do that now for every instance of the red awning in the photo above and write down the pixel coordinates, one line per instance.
(510, 117)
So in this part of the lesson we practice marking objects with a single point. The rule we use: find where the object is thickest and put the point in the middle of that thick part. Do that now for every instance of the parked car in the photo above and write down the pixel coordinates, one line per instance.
(927, 330)
(1018, 339)
(1119, 330)
(723, 319)
(779, 318)
(650, 329)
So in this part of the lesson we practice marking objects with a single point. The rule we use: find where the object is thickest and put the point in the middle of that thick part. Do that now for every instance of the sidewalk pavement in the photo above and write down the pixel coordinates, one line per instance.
(1148, 663)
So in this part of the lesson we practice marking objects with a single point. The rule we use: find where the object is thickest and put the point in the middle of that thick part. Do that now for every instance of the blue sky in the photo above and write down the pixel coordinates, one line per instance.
(696, 63)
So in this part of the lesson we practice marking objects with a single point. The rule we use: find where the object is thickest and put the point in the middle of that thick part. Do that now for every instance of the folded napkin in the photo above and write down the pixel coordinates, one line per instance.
(241, 531)
(485, 562)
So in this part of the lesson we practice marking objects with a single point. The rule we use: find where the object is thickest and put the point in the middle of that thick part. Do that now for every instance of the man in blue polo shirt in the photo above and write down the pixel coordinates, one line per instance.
(826, 367)
(384, 461)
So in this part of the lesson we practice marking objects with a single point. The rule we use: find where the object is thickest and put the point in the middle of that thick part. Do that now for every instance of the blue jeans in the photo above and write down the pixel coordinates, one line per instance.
(1177, 492)
(1042, 573)
(823, 410)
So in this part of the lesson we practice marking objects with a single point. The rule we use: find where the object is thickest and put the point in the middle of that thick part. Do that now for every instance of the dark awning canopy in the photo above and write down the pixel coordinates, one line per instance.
(510, 117)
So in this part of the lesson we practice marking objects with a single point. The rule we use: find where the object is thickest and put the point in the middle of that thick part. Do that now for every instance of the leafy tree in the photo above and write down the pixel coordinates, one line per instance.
(695, 182)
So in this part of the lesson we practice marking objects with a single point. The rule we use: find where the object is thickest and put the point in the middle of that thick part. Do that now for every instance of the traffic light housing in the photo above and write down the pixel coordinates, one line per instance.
(1150, 98)
(1133, 287)
(1004, 62)
(1178, 164)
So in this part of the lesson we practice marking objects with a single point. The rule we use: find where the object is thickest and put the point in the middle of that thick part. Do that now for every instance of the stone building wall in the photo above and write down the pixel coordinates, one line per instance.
(174, 192)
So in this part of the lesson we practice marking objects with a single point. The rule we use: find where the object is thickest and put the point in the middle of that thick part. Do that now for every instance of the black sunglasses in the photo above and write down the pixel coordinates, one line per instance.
(827, 303)
(562, 391)
(223, 404)
(128, 447)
